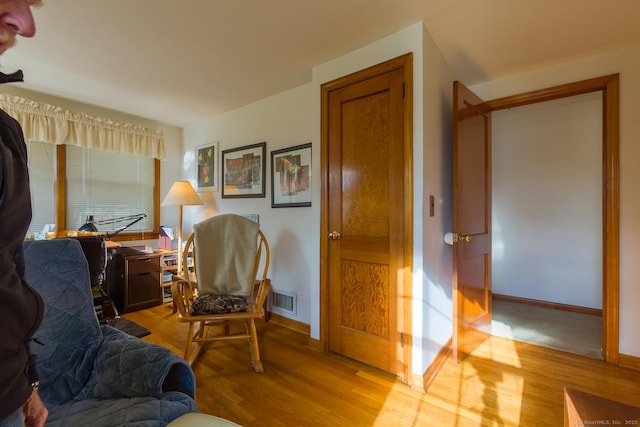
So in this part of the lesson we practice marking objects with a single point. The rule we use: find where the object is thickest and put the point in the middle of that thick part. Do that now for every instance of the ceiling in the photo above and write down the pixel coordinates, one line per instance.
(181, 62)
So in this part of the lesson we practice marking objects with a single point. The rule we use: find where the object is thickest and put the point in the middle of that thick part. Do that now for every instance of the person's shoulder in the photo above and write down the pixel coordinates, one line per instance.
(8, 122)
(6, 117)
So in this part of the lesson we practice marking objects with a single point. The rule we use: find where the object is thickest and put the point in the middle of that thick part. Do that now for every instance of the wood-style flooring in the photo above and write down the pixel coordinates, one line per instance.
(503, 383)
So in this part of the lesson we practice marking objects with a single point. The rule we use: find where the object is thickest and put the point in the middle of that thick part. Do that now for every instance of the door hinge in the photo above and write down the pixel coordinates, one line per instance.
(401, 339)
(403, 88)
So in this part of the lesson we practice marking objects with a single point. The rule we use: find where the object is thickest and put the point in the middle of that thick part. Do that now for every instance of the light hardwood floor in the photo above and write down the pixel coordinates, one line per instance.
(503, 383)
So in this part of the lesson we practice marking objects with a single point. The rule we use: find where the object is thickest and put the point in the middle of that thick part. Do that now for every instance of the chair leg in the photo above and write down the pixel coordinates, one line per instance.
(226, 328)
(253, 346)
(194, 337)
(187, 348)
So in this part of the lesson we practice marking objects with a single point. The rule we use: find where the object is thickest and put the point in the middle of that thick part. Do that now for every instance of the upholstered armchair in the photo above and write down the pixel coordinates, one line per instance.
(93, 375)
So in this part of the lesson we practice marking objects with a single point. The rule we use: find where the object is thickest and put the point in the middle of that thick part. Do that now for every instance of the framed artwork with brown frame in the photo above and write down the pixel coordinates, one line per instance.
(244, 171)
(291, 177)
(207, 167)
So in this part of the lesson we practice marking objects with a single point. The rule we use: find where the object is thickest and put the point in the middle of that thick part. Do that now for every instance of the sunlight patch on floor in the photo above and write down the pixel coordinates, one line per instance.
(474, 392)
(506, 353)
(501, 390)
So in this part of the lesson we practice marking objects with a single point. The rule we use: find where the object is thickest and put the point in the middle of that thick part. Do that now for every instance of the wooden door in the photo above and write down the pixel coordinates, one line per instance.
(471, 221)
(365, 221)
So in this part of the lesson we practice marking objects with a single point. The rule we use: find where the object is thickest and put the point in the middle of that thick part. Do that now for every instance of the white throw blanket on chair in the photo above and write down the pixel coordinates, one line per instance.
(225, 248)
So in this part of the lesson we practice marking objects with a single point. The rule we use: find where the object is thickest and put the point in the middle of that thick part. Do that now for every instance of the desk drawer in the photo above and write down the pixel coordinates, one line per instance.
(143, 265)
(136, 281)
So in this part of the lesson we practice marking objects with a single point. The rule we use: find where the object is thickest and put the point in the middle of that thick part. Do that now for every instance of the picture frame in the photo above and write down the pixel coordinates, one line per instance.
(291, 177)
(207, 167)
(244, 171)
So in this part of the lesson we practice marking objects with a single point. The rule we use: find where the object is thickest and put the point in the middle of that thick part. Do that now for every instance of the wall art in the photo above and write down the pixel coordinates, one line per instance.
(243, 171)
(291, 176)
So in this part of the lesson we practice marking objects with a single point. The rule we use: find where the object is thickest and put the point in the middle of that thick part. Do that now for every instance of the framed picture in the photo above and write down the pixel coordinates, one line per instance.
(244, 171)
(291, 176)
(207, 167)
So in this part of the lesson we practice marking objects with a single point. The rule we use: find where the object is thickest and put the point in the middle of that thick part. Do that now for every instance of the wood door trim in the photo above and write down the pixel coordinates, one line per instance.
(548, 304)
(610, 87)
(404, 62)
(549, 94)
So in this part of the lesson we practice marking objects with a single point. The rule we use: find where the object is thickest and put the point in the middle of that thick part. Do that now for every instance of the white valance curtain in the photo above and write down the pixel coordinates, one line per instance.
(47, 123)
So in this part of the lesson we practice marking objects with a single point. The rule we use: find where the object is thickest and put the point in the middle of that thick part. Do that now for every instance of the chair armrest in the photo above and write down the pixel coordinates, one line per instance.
(184, 292)
(130, 367)
(262, 292)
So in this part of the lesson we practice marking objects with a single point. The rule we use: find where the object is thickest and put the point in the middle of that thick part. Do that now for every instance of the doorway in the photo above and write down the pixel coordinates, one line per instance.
(547, 223)
(609, 86)
(366, 216)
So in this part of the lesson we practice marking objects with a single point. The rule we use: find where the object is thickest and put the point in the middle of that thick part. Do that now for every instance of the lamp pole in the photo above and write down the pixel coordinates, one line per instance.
(181, 193)
(180, 242)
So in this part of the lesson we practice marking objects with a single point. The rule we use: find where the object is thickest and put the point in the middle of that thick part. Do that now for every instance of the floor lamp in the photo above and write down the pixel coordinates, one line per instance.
(181, 194)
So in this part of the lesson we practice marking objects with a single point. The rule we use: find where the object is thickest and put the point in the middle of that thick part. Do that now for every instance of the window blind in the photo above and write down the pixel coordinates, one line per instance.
(108, 185)
(42, 170)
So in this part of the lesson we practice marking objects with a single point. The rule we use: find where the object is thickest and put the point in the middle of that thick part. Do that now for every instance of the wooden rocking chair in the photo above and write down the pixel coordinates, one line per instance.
(230, 257)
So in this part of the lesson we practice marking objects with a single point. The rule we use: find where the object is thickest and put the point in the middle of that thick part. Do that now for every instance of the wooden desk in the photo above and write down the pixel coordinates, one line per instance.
(136, 280)
(112, 245)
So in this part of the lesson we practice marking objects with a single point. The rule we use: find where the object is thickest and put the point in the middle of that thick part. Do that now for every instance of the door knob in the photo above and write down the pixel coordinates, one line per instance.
(334, 235)
(459, 237)
(451, 238)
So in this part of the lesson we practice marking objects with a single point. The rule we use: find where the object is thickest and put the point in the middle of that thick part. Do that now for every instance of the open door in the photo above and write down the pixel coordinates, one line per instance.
(471, 221)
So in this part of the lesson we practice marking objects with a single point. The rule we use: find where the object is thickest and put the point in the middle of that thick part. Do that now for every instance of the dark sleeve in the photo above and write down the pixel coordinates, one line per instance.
(33, 373)
(32, 368)
(18, 259)
(1, 180)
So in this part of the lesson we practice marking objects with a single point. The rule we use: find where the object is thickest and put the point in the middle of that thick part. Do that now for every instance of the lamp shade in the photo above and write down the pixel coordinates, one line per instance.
(90, 225)
(181, 193)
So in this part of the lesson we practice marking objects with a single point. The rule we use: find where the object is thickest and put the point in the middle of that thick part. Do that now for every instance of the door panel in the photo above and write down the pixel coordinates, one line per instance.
(366, 199)
(471, 221)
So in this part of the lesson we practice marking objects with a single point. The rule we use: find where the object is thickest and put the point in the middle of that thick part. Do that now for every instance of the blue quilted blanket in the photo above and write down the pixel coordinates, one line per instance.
(94, 375)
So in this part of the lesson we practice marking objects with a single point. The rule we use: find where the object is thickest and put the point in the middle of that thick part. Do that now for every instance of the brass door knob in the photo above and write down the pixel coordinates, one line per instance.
(334, 235)
(459, 237)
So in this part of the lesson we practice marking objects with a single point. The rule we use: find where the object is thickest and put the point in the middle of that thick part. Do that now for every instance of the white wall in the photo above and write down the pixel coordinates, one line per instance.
(432, 291)
(282, 120)
(547, 201)
(627, 63)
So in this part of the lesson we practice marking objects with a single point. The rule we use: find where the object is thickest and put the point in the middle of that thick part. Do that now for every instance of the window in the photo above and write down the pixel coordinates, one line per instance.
(104, 184)
(86, 178)
(108, 185)
(42, 172)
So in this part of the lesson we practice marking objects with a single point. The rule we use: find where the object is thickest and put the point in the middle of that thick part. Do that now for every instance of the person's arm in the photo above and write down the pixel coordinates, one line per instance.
(1, 179)
(34, 411)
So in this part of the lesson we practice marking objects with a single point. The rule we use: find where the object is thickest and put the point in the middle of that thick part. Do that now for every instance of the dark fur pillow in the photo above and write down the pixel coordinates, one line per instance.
(215, 304)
